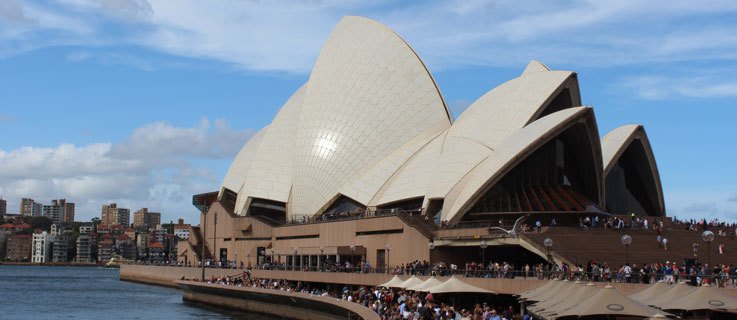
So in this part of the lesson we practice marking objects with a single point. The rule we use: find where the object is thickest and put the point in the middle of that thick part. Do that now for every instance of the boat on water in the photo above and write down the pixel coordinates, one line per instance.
(115, 262)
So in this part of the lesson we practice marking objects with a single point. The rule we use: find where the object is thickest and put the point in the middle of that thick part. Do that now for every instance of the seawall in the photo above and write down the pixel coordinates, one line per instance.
(165, 276)
(291, 305)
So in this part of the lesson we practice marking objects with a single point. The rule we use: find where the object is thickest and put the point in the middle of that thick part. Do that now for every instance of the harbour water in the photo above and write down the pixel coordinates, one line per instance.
(38, 292)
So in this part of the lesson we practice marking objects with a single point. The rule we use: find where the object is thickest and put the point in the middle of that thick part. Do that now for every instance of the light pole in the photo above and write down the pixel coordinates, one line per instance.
(215, 254)
(322, 250)
(626, 241)
(294, 259)
(353, 253)
(483, 253)
(708, 237)
(204, 241)
(431, 246)
(388, 249)
(548, 243)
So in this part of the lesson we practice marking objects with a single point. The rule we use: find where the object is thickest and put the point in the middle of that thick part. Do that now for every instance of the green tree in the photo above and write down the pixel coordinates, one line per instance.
(42, 223)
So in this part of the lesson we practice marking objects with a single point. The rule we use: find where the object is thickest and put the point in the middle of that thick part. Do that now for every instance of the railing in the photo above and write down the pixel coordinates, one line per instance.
(350, 215)
(535, 273)
(535, 239)
(266, 220)
(423, 226)
(721, 281)
(199, 242)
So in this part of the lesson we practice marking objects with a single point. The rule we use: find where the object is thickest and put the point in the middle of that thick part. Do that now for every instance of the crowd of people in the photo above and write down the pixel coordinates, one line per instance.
(648, 273)
(389, 304)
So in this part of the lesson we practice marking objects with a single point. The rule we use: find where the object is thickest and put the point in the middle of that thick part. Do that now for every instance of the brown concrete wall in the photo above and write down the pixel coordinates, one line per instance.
(414, 245)
(165, 276)
(462, 233)
(343, 233)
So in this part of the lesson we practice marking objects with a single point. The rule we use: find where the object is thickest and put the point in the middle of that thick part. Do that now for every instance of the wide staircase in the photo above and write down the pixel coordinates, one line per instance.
(425, 227)
(198, 243)
(605, 246)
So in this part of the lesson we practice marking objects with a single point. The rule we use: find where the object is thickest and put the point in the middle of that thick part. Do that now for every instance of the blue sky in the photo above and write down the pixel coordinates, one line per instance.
(145, 103)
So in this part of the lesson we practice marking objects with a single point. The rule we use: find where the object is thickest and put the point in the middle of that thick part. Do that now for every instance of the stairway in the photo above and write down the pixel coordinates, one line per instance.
(604, 245)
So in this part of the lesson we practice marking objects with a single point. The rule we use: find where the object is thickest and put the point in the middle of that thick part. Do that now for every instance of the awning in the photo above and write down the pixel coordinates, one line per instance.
(675, 292)
(429, 283)
(454, 285)
(609, 301)
(392, 283)
(571, 301)
(652, 291)
(703, 298)
(411, 282)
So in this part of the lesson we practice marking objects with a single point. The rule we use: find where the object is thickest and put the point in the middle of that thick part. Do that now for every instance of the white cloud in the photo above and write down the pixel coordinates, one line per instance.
(162, 141)
(11, 12)
(275, 36)
(156, 167)
(127, 10)
(662, 87)
(65, 160)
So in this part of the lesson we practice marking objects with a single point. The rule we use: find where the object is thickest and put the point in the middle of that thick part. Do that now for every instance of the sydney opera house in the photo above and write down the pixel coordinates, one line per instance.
(365, 162)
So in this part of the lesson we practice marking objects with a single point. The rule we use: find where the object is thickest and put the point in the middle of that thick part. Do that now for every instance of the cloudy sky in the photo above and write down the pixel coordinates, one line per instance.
(145, 102)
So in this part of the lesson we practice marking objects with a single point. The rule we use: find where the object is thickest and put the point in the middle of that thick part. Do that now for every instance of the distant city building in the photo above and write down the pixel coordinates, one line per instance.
(182, 231)
(60, 247)
(142, 241)
(3, 207)
(158, 235)
(131, 233)
(145, 219)
(4, 235)
(19, 248)
(105, 250)
(59, 211)
(30, 208)
(42, 244)
(84, 248)
(103, 229)
(112, 215)
(86, 228)
(156, 251)
(125, 247)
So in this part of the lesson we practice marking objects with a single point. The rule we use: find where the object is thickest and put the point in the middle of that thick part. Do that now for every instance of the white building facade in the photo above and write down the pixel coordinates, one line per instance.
(42, 243)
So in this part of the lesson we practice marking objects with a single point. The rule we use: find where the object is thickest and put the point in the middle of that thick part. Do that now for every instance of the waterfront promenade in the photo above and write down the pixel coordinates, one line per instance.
(165, 276)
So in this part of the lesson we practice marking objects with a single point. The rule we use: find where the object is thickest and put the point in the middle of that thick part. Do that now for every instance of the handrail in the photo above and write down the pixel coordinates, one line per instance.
(613, 276)
(266, 220)
(530, 239)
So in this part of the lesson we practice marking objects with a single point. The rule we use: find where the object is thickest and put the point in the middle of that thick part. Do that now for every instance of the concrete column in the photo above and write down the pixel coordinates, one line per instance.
(522, 307)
